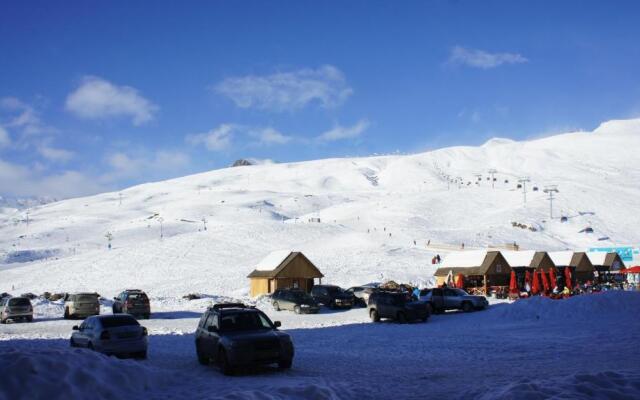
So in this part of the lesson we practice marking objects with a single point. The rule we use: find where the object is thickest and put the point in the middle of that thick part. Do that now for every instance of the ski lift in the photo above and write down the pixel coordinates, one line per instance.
(564, 219)
(519, 186)
(535, 188)
(495, 179)
(506, 181)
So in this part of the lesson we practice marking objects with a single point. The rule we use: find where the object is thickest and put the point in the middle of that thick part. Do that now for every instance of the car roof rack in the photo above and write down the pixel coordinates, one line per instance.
(220, 306)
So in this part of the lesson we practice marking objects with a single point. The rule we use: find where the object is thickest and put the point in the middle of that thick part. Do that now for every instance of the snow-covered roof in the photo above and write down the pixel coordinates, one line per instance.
(561, 258)
(273, 260)
(597, 257)
(464, 259)
(518, 258)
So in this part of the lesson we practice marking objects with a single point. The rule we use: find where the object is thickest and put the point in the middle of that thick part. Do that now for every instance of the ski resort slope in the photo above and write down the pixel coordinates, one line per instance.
(371, 210)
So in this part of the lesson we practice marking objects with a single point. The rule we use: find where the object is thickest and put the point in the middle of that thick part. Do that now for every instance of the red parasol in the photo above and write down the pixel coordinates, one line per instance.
(552, 278)
(527, 281)
(513, 285)
(567, 277)
(632, 270)
(545, 281)
(460, 281)
(535, 287)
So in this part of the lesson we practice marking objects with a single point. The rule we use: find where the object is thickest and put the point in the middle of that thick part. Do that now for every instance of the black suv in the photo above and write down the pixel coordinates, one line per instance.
(332, 296)
(294, 299)
(233, 335)
(132, 301)
(397, 306)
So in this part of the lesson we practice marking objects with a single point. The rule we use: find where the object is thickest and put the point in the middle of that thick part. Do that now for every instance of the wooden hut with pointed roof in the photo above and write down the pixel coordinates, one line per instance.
(481, 268)
(281, 270)
(605, 262)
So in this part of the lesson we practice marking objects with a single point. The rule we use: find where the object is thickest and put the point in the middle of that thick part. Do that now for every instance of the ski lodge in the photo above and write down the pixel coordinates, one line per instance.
(281, 270)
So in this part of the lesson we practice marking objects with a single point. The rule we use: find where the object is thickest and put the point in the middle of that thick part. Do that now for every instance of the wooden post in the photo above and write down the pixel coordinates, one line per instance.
(486, 291)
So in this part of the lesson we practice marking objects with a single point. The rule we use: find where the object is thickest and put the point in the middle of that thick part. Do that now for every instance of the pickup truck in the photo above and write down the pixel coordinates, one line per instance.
(441, 299)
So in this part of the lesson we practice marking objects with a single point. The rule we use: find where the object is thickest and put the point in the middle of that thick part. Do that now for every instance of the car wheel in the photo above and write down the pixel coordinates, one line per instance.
(296, 309)
(285, 364)
(202, 359)
(90, 346)
(147, 316)
(141, 355)
(114, 310)
(225, 366)
(30, 318)
(425, 318)
(374, 316)
(72, 343)
(276, 306)
(467, 307)
(66, 313)
(430, 308)
(402, 318)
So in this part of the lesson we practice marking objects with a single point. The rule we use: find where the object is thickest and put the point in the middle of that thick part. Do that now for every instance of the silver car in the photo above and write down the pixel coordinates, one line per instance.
(118, 335)
(81, 305)
(14, 308)
(441, 299)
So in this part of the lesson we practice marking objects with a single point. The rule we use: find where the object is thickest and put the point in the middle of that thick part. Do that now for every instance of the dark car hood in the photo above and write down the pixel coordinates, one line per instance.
(249, 336)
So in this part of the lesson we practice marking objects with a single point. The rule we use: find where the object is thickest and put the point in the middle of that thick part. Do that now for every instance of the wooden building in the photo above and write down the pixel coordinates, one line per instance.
(281, 270)
(481, 269)
(578, 262)
(527, 260)
(605, 262)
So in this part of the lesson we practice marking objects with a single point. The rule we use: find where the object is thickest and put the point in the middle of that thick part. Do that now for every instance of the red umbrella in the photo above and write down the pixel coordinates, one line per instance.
(535, 288)
(552, 278)
(513, 285)
(567, 277)
(545, 281)
(527, 281)
(460, 281)
(632, 270)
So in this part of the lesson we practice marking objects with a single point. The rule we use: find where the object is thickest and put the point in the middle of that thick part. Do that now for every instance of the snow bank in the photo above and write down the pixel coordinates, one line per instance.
(73, 373)
(309, 391)
(601, 385)
(613, 305)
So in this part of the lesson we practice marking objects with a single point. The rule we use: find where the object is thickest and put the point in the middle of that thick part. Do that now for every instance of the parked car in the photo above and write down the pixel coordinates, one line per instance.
(296, 300)
(361, 294)
(81, 305)
(14, 308)
(132, 301)
(332, 296)
(233, 335)
(396, 306)
(442, 299)
(118, 335)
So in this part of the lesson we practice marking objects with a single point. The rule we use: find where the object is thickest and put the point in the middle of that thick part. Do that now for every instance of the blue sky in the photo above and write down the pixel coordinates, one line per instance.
(97, 96)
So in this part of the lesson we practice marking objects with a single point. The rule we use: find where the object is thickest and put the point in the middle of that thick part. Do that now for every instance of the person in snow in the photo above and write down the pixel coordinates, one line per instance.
(416, 293)
(438, 259)
(566, 292)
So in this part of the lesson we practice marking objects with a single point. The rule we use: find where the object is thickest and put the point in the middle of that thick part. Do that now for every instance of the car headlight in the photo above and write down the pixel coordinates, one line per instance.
(304, 306)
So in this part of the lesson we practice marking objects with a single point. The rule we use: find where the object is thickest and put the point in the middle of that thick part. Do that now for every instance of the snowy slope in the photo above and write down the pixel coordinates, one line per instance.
(371, 211)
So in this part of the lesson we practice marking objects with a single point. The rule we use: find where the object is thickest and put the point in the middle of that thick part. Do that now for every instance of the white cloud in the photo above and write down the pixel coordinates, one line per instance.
(24, 117)
(124, 165)
(54, 154)
(18, 180)
(217, 139)
(97, 98)
(482, 59)
(269, 136)
(5, 139)
(342, 132)
(288, 91)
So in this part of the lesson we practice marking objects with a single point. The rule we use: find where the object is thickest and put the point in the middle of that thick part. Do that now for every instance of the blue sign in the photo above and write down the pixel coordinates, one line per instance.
(625, 253)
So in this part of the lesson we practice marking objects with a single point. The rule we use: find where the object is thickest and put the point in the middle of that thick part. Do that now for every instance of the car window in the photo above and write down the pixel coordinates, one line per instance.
(243, 321)
(86, 298)
(451, 293)
(19, 302)
(137, 296)
(213, 321)
(118, 321)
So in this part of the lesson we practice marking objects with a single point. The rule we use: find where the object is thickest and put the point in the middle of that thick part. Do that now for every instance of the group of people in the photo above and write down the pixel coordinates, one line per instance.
(436, 259)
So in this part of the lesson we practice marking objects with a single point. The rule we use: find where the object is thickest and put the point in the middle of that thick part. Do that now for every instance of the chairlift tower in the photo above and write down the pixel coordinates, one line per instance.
(550, 189)
(492, 172)
(161, 220)
(523, 181)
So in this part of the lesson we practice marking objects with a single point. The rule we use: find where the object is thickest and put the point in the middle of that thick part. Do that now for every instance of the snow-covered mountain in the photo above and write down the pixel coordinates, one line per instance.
(371, 211)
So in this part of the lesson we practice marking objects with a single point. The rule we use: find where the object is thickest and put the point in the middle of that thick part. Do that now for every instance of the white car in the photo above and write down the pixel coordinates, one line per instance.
(118, 335)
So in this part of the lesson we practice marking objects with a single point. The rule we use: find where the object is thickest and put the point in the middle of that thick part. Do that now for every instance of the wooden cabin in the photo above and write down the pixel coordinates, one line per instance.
(605, 262)
(481, 268)
(282, 270)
